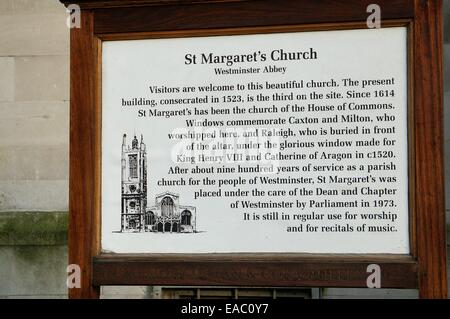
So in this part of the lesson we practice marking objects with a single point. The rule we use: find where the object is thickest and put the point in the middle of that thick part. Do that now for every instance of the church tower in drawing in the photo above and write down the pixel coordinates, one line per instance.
(167, 215)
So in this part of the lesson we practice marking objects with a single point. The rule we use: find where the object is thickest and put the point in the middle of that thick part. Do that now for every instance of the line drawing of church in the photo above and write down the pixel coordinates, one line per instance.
(166, 216)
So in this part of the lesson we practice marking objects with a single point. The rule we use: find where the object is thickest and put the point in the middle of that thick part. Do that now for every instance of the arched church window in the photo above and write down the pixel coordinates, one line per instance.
(186, 218)
(167, 208)
(133, 205)
(133, 166)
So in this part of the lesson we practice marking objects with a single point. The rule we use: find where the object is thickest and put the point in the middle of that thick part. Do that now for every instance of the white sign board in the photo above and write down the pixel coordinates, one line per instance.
(270, 143)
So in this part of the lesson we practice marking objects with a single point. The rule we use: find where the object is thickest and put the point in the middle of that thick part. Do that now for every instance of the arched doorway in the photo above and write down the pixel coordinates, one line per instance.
(175, 228)
(167, 227)
(186, 217)
(167, 207)
(132, 224)
(160, 227)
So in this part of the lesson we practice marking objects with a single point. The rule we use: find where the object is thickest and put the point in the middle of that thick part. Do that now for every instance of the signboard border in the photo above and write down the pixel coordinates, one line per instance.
(423, 269)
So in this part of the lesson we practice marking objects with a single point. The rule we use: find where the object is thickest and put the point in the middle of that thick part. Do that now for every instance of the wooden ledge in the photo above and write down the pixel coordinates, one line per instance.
(98, 4)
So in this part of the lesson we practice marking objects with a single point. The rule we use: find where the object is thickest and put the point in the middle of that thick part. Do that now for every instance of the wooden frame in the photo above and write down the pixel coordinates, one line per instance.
(425, 268)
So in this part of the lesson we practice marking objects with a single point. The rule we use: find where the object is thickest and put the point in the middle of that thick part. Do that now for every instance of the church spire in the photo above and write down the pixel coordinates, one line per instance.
(142, 143)
(124, 142)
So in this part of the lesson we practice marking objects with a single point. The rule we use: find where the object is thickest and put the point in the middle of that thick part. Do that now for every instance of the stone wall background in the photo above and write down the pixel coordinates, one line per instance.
(34, 106)
(34, 148)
